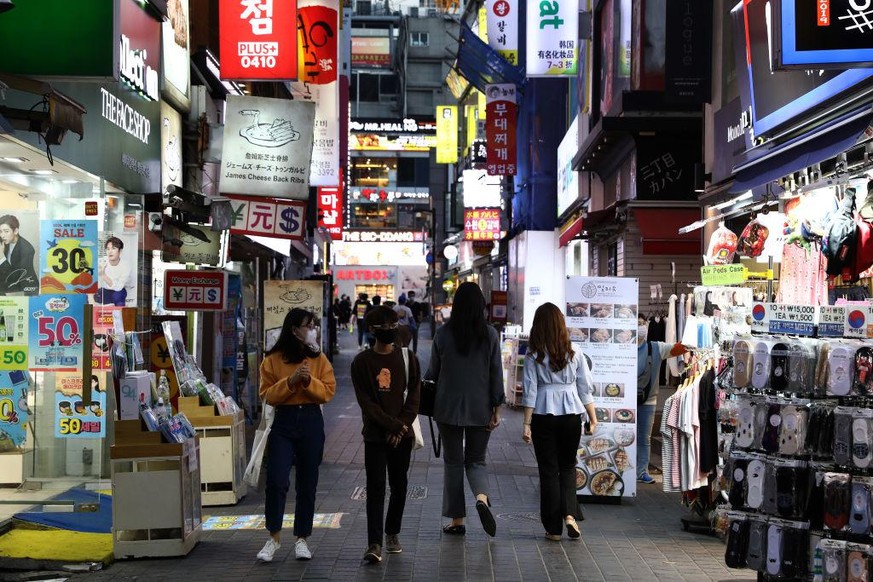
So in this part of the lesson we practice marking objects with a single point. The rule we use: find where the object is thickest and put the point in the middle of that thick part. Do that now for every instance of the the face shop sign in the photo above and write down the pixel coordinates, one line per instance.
(134, 69)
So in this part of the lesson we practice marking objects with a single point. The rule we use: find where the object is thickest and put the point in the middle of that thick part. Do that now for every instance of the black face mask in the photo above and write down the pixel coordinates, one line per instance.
(386, 336)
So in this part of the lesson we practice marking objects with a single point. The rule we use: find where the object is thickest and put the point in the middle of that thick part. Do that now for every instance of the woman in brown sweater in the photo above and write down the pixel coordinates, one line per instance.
(297, 379)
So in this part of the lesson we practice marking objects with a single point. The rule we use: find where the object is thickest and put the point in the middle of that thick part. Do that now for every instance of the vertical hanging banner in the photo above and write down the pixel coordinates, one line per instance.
(14, 320)
(317, 38)
(68, 257)
(56, 342)
(447, 134)
(601, 316)
(500, 129)
(267, 147)
(72, 418)
(502, 20)
(552, 38)
(19, 258)
(257, 40)
(330, 211)
(14, 410)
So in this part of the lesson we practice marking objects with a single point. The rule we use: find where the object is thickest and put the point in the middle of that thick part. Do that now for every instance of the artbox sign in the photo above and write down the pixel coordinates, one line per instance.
(195, 290)
(552, 38)
(502, 19)
(824, 33)
(317, 34)
(266, 217)
(500, 129)
(258, 40)
(267, 147)
(330, 211)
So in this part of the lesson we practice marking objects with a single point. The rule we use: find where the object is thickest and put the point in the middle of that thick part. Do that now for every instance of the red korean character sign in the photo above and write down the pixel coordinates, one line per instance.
(500, 129)
(258, 39)
(330, 211)
(482, 224)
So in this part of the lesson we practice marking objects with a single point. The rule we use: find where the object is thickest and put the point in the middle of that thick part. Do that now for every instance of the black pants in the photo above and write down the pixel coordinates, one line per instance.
(377, 458)
(555, 441)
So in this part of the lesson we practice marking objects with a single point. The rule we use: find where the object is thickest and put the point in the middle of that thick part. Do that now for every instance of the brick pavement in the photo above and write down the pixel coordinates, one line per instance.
(641, 539)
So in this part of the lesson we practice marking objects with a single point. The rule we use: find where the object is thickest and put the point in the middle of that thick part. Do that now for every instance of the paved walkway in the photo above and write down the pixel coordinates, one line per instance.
(639, 540)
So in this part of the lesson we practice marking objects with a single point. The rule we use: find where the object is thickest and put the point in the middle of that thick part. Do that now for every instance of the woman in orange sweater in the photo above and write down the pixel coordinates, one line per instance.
(297, 379)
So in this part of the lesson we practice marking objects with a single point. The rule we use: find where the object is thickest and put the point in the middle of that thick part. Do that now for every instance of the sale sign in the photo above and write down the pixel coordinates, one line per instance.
(14, 313)
(268, 217)
(56, 344)
(257, 39)
(73, 419)
(104, 320)
(68, 256)
(330, 211)
(482, 224)
(195, 290)
(14, 410)
(501, 112)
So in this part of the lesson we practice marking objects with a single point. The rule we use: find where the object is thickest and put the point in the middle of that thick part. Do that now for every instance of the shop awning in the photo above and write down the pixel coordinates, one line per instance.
(660, 230)
(482, 65)
(814, 146)
(571, 231)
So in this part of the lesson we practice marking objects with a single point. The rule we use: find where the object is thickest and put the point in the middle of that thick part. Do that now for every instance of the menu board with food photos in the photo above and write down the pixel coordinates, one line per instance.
(601, 315)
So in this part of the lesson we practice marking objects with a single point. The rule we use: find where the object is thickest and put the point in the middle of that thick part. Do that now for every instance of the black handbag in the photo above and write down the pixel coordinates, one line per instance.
(425, 407)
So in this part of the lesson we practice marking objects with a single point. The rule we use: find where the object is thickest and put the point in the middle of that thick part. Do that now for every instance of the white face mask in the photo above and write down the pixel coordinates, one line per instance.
(642, 334)
(312, 339)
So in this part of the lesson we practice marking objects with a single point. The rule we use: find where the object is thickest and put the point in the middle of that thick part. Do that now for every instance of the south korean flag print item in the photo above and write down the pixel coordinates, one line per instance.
(761, 365)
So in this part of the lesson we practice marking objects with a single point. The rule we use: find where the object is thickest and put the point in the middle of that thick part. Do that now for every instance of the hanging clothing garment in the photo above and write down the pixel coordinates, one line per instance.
(708, 423)
(802, 278)
(680, 316)
(670, 338)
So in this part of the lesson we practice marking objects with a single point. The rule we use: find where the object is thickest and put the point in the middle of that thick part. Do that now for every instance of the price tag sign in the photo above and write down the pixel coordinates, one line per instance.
(14, 312)
(57, 344)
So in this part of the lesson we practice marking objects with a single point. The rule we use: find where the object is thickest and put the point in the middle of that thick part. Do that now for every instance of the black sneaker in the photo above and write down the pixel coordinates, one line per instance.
(373, 555)
(392, 544)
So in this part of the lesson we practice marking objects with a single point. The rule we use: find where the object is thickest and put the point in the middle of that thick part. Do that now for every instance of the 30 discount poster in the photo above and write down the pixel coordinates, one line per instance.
(68, 256)
(14, 313)
(56, 338)
(73, 419)
(13, 409)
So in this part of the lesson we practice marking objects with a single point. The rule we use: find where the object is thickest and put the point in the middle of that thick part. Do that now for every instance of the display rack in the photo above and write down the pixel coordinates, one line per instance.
(222, 451)
(156, 509)
(513, 349)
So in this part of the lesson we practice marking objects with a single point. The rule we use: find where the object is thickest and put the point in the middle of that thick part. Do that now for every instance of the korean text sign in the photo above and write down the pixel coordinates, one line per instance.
(195, 290)
(267, 147)
(56, 343)
(330, 211)
(266, 217)
(552, 38)
(73, 419)
(502, 18)
(482, 224)
(447, 134)
(257, 39)
(500, 130)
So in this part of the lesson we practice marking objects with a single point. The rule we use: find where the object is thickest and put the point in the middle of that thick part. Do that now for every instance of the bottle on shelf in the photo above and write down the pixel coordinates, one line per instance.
(164, 387)
(160, 409)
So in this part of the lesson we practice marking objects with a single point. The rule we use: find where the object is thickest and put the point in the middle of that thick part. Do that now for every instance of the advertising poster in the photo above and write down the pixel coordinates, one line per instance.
(14, 312)
(104, 320)
(317, 36)
(267, 147)
(602, 318)
(19, 258)
(447, 134)
(68, 256)
(14, 410)
(73, 419)
(280, 297)
(56, 338)
(171, 146)
(117, 269)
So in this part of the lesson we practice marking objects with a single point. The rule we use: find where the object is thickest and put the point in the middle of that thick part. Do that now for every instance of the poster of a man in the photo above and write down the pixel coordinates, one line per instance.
(115, 275)
(17, 272)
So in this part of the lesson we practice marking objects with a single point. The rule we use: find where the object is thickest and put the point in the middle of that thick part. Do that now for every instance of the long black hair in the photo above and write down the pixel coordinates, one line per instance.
(467, 323)
(289, 345)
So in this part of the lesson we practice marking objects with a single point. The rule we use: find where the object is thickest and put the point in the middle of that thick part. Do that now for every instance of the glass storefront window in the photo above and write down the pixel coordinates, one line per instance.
(380, 172)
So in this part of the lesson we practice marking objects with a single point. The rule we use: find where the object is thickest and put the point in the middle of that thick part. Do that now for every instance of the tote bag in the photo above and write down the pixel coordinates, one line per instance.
(255, 475)
(416, 425)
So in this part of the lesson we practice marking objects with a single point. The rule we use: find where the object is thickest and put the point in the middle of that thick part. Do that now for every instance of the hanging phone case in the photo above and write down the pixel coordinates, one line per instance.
(859, 518)
(862, 430)
(779, 367)
(761, 365)
(742, 364)
(840, 375)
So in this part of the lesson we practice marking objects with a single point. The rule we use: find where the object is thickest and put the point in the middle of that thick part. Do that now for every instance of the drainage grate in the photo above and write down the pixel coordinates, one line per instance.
(413, 493)
(526, 516)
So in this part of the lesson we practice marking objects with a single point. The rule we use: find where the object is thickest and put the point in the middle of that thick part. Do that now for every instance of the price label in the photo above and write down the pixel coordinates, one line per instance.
(75, 426)
(13, 357)
(62, 331)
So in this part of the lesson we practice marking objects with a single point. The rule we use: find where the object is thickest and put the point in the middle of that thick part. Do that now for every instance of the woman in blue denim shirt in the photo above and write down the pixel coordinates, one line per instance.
(557, 392)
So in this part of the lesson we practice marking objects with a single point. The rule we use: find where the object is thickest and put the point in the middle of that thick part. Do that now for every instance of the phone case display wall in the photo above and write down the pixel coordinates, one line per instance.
(156, 508)
(799, 481)
(513, 350)
(601, 315)
(222, 451)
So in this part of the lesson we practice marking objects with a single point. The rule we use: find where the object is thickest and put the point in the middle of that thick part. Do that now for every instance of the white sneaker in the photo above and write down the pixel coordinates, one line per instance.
(301, 550)
(269, 549)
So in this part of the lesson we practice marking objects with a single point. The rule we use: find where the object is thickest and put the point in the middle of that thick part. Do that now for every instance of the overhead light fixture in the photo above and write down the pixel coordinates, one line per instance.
(69, 181)
(6, 5)
(43, 172)
(14, 159)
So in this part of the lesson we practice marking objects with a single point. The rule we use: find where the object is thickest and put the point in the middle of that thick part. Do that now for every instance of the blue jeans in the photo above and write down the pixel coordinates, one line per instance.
(645, 421)
(296, 439)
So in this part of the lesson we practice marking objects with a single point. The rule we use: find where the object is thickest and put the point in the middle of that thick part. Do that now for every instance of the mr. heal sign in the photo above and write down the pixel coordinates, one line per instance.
(195, 290)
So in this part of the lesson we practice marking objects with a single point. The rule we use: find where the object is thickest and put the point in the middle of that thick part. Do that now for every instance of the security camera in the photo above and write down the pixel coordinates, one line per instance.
(156, 221)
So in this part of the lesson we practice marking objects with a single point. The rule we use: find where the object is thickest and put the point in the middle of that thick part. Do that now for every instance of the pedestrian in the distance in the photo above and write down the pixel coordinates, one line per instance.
(405, 321)
(297, 379)
(466, 366)
(362, 306)
(557, 398)
(387, 389)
